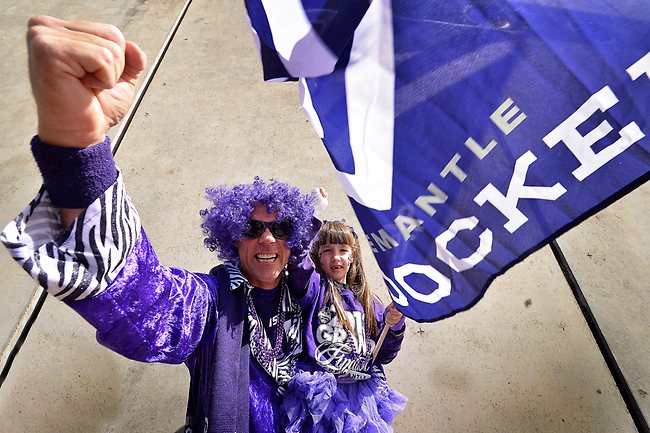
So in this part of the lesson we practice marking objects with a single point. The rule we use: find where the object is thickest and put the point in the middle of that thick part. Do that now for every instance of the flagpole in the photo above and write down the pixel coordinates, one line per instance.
(382, 337)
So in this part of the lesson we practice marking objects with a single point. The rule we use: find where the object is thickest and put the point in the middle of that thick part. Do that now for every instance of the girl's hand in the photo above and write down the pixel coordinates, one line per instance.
(392, 316)
(320, 196)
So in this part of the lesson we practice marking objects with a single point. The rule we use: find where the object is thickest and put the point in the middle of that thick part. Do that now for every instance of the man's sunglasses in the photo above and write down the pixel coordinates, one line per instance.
(279, 230)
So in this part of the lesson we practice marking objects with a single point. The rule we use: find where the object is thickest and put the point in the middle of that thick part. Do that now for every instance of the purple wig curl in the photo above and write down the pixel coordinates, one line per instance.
(227, 218)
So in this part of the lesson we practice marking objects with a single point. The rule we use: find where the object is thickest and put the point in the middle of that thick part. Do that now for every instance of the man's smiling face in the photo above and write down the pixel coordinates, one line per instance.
(262, 259)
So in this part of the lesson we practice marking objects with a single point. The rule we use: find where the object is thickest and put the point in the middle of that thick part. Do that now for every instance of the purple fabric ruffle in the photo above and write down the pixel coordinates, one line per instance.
(316, 403)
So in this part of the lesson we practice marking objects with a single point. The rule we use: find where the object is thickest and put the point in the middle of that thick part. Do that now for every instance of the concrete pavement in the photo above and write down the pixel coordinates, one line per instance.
(522, 360)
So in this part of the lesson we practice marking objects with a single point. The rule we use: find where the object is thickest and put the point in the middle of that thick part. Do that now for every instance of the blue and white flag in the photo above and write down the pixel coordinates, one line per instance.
(467, 133)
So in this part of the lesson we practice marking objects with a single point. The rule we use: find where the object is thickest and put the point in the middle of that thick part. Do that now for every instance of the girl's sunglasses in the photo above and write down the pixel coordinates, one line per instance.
(279, 230)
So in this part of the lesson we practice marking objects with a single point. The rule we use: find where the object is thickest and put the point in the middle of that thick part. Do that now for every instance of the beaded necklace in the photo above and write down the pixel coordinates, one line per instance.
(279, 364)
(265, 352)
(355, 354)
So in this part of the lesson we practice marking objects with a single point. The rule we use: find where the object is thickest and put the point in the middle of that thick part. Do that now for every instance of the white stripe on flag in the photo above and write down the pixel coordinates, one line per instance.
(308, 106)
(301, 50)
(370, 92)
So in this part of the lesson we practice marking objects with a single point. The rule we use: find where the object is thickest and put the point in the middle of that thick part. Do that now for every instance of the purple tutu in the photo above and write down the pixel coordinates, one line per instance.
(316, 403)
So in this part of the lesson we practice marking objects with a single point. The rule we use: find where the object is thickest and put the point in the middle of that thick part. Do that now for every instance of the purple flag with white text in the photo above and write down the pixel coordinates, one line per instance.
(467, 133)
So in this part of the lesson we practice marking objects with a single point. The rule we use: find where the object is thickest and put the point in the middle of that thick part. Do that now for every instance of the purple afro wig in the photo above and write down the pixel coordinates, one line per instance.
(227, 218)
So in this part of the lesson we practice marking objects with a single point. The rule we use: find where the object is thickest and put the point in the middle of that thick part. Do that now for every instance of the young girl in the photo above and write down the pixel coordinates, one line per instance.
(339, 387)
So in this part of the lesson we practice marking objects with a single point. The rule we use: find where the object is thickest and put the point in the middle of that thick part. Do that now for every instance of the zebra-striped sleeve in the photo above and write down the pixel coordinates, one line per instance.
(81, 261)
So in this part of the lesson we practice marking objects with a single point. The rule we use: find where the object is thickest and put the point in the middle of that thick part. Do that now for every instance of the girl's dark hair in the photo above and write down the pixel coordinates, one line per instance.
(337, 232)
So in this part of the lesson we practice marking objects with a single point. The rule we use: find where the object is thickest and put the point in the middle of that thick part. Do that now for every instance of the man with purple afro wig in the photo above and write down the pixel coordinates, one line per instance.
(226, 221)
(237, 328)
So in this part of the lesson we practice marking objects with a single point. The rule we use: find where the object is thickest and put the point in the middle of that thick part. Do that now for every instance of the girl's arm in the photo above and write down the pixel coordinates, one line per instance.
(304, 281)
(393, 341)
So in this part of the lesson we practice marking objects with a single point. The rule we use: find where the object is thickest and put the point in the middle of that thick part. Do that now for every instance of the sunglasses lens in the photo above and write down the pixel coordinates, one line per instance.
(255, 229)
(280, 230)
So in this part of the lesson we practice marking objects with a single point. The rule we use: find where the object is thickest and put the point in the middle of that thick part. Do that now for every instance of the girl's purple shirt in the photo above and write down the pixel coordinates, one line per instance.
(327, 346)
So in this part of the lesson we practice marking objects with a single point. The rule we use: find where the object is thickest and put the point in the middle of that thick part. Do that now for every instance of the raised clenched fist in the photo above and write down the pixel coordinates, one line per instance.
(83, 77)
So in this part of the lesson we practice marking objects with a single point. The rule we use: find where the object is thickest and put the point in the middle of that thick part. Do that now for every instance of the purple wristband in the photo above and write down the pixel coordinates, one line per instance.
(73, 177)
